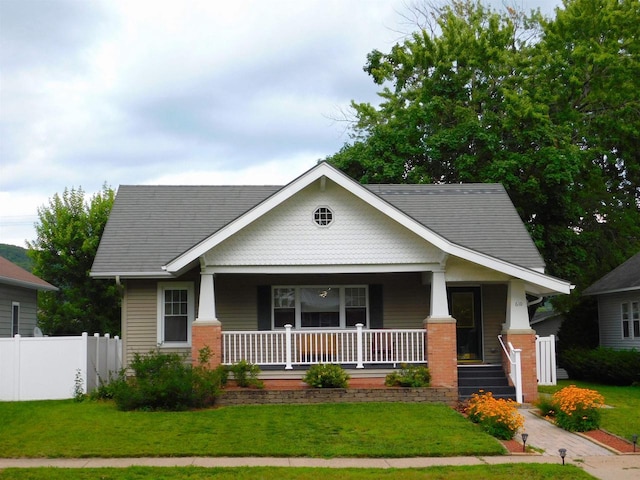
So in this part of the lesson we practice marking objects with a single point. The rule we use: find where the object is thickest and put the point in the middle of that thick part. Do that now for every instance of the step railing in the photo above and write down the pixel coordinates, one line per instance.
(515, 363)
(357, 346)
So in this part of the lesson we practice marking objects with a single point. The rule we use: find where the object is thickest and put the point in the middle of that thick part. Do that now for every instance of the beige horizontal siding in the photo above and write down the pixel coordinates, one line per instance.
(494, 311)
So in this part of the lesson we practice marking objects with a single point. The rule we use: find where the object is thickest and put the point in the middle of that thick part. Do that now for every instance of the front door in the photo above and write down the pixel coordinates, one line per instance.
(466, 307)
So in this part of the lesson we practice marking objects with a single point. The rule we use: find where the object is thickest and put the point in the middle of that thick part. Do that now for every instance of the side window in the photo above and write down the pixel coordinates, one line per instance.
(175, 312)
(626, 331)
(15, 318)
(635, 317)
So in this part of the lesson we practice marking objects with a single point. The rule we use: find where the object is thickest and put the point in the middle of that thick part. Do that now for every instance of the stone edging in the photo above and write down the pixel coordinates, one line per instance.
(448, 396)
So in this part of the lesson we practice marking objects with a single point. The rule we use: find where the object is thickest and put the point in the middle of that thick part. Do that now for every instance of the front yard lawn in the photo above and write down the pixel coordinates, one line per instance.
(623, 419)
(96, 429)
(478, 472)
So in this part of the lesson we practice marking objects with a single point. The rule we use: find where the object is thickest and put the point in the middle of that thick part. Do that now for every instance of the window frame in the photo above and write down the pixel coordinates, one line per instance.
(298, 306)
(162, 288)
(15, 318)
(634, 318)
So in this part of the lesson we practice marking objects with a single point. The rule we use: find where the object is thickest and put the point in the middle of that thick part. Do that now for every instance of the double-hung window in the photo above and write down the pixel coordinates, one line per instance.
(176, 307)
(630, 319)
(320, 306)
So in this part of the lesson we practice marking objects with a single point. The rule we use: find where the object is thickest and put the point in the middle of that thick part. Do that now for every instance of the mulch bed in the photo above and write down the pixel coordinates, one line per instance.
(611, 441)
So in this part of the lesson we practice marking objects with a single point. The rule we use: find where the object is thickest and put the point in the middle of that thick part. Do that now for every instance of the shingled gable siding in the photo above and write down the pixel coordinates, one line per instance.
(610, 317)
(27, 298)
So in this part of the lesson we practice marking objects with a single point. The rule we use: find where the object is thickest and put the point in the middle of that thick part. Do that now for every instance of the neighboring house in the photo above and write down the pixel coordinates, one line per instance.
(547, 321)
(19, 299)
(618, 295)
(434, 273)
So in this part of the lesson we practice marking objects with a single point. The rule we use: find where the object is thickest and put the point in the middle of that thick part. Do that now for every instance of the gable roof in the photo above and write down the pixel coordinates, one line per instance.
(12, 274)
(157, 231)
(623, 278)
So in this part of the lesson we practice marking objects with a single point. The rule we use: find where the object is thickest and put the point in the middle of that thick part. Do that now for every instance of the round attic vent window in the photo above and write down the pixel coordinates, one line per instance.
(323, 216)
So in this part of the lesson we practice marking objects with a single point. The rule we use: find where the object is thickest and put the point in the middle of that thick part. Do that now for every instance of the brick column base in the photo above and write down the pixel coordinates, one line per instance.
(526, 341)
(442, 354)
(207, 333)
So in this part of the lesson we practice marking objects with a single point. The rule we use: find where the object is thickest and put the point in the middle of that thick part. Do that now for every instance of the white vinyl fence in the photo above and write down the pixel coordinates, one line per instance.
(546, 360)
(49, 368)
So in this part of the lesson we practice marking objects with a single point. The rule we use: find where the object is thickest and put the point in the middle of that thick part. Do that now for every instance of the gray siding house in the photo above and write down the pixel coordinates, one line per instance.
(618, 295)
(326, 269)
(19, 299)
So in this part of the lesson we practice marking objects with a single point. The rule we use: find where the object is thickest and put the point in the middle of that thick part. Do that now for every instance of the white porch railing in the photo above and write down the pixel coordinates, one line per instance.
(546, 360)
(290, 347)
(515, 370)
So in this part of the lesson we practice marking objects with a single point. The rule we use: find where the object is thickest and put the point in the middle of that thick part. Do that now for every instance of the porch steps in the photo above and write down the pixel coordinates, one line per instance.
(489, 378)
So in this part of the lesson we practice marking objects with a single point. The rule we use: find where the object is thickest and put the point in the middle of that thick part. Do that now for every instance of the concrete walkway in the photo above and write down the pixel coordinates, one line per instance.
(595, 460)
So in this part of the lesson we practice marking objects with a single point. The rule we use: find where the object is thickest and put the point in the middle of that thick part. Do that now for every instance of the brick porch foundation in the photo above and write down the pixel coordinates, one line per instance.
(442, 351)
(207, 334)
(526, 341)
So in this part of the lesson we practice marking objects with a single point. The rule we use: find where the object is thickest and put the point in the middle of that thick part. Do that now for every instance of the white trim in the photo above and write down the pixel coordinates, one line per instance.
(25, 284)
(325, 170)
(318, 269)
(132, 275)
(617, 290)
(162, 286)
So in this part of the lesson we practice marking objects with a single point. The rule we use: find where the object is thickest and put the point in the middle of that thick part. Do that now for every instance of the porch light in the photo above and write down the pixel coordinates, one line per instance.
(634, 439)
(525, 436)
(563, 453)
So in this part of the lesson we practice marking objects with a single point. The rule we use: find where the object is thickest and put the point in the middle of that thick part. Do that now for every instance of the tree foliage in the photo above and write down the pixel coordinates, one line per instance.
(547, 107)
(68, 234)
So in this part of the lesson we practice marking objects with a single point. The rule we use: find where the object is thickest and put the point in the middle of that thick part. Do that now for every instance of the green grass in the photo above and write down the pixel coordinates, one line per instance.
(623, 419)
(97, 429)
(479, 472)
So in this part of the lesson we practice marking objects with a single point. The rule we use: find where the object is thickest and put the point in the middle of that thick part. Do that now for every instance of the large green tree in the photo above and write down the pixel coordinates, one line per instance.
(547, 107)
(68, 234)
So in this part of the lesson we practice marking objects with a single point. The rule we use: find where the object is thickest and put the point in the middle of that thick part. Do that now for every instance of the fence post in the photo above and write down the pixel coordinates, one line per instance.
(518, 367)
(359, 345)
(287, 346)
(118, 362)
(16, 369)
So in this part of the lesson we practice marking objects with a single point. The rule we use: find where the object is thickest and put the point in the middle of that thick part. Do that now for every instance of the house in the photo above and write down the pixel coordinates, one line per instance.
(618, 295)
(19, 299)
(325, 269)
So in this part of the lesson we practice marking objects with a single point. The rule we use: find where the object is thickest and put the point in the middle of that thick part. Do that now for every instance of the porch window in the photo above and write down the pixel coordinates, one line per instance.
(320, 306)
(175, 313)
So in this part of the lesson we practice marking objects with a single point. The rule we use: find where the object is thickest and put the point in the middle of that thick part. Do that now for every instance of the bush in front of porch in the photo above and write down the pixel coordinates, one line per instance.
(326, 375)
(415, 376)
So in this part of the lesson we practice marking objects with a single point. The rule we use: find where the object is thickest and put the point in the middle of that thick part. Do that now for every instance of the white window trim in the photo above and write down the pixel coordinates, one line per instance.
(189, 287)
(13, 306)
(298, 309)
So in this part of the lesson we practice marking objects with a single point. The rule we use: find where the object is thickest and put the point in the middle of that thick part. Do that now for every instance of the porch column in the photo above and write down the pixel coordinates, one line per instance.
(206, 330)
(517, 330)
(442, 355)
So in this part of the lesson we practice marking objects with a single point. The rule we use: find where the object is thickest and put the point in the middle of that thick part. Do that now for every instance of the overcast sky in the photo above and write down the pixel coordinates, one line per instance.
(178, 92)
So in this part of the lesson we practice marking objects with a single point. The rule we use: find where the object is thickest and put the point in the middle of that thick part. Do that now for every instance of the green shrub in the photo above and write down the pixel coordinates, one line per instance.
(246, 374)
(164, 381)
(326, 375)
(409, 376)
(602, 365)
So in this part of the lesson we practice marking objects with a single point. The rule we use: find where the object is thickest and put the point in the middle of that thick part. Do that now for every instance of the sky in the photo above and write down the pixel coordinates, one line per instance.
(180, 92)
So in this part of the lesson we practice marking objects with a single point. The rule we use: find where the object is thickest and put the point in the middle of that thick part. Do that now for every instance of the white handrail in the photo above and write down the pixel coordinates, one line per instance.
(515, 372)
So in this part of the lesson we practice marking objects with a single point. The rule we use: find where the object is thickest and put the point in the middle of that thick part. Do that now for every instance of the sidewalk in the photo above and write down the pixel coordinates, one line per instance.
(595, 460)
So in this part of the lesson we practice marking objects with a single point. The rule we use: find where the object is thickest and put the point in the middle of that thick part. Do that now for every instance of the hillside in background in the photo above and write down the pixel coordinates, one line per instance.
(17, 255)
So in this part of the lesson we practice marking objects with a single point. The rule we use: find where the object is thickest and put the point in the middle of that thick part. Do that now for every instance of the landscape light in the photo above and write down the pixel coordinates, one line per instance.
(525, 436)
(563, 453)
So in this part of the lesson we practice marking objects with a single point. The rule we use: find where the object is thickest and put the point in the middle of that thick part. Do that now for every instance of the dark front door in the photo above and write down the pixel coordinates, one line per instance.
(466, 307)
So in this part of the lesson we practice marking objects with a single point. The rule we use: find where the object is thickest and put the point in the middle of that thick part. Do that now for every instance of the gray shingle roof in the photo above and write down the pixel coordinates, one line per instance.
(623, 277)
(151, 225)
